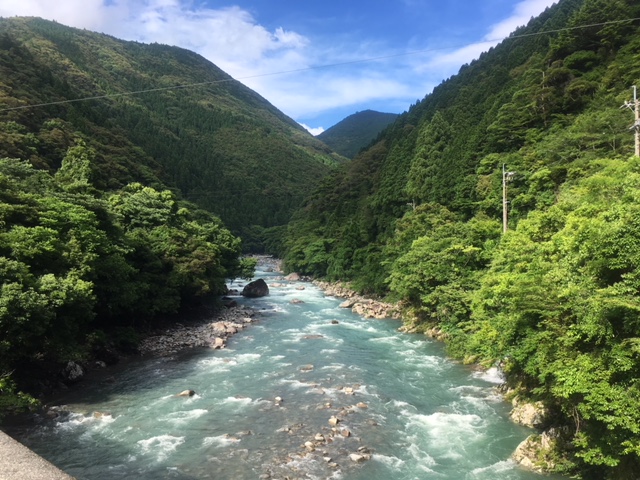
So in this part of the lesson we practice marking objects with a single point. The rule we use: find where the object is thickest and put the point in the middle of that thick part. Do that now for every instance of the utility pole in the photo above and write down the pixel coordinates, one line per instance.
(635, 106)
(506, 177)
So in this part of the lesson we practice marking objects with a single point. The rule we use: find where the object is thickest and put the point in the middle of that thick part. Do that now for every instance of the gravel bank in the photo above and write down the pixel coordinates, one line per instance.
(210, 333)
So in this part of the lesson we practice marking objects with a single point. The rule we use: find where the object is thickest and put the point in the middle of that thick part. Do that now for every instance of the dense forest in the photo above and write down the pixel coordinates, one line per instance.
(216, 143)
(357, 131)
(554, 301)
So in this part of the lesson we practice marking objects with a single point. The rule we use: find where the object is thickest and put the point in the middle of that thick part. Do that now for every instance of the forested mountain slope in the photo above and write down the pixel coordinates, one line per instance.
(357, 131)
(222, 145)
(418, 217)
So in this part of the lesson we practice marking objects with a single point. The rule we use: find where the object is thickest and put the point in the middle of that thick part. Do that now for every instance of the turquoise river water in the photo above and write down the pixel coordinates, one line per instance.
(426, 417)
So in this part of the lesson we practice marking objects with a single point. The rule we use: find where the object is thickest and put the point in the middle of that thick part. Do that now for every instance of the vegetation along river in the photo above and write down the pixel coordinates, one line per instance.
(403, 410)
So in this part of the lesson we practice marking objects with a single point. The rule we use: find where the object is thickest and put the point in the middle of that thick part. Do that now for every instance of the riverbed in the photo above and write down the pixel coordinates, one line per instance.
(308, 391)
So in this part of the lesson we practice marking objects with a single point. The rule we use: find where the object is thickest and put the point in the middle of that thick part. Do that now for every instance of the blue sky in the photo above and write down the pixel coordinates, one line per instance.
(392, 52)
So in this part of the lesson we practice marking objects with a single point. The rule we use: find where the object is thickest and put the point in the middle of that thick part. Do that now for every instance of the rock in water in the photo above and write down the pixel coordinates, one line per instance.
(257, 288)
(186, 393)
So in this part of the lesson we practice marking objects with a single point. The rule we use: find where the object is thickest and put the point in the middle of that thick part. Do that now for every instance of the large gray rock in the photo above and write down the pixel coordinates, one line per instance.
(73, 372)
(257, 288)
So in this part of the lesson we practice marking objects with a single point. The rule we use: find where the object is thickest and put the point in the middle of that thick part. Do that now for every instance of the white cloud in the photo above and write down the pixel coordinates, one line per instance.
(301, 95)
(76, 13)
(522, 13)
(313, 131)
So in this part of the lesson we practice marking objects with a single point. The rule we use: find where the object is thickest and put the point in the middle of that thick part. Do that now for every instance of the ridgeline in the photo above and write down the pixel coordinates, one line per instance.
(215, 141)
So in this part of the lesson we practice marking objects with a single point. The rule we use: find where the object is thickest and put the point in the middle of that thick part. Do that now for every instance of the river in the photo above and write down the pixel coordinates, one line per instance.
(403, 410)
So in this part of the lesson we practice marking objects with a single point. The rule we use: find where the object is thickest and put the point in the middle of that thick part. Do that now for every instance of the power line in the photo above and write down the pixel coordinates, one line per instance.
(317, 67)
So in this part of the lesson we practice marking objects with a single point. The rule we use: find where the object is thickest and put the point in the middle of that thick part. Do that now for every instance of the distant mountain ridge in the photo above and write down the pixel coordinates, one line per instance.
(221, 144)
(357, 131)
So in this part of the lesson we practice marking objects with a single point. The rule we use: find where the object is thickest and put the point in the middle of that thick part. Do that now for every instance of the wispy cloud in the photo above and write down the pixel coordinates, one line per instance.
(76, 13)
(522, 13)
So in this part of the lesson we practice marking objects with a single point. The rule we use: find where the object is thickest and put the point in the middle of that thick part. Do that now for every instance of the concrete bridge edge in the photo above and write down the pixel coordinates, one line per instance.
(19, 462)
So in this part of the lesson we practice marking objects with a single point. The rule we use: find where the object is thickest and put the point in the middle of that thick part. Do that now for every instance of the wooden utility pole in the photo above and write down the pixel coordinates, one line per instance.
(635, 106)
(506, 176)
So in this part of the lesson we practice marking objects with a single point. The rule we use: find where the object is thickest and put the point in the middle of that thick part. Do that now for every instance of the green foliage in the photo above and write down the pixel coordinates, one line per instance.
(429, 178)
(13, 401)
(76, 172)
(441, 267)
(560, 302)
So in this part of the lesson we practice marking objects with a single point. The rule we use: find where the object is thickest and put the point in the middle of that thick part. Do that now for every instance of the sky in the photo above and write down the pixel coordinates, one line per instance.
(317, 61)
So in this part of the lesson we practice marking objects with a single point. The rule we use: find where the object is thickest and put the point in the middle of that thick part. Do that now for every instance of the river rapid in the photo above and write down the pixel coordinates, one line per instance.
(357, 400)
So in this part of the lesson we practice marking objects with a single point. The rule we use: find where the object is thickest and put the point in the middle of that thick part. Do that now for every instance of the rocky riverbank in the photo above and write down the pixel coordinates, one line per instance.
(361, 305)
(211, 333)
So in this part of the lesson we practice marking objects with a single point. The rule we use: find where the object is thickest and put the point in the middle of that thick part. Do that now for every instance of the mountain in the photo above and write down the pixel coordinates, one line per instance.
(555, 300)
(190, 126)
(355, 132)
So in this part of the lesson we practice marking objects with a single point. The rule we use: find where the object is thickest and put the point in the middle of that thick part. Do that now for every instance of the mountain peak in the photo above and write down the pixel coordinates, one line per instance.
(356, 131)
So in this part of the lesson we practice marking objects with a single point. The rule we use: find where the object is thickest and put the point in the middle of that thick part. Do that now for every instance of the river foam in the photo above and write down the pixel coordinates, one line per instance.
(160, 446)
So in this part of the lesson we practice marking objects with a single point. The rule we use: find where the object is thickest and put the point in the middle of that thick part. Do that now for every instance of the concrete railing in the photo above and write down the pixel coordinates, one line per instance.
(17, 462)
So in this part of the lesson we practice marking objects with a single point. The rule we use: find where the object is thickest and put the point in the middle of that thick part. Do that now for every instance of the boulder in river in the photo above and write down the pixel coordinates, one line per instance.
(358, 458)
(347, 303)
(257, 288)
